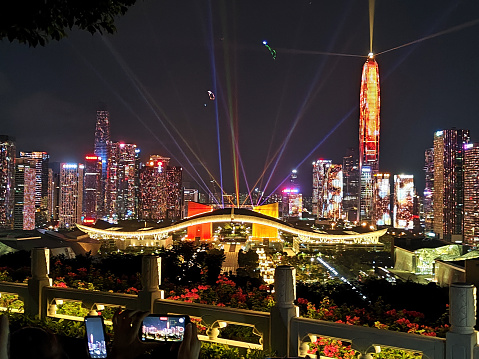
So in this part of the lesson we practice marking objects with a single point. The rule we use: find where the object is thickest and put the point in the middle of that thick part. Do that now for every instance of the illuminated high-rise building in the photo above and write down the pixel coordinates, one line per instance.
(382, 199)
(351, 185)
(40, 162)
(53, 193)
(7, 180)
(25, 190)
(160, 190)
(404, 194)
(334, 192)
(171, 191)
(71, 194)
(292, 203)
(91, 188)
(471, 194)
(448, 197)
(369, 128)
(321, 170)
(428, 189)
(122, 183)
(102, 150)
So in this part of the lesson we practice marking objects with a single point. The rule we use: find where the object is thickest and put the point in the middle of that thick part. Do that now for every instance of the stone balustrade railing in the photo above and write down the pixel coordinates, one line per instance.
(281, 331)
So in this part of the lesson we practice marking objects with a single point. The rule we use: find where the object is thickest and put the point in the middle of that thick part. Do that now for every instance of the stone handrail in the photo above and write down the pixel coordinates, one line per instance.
(363, 339)
(281, 331)
(217, 317)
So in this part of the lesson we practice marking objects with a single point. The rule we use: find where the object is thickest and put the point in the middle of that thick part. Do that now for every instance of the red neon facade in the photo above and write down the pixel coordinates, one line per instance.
(201, 231)
(369, 116)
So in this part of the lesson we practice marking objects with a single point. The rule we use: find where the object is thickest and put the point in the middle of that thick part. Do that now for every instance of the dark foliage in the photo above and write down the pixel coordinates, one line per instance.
(35, 22)
(429, 299)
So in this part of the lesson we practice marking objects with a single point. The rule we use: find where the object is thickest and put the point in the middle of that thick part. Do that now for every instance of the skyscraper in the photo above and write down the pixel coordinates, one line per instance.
(334, 192)
(351, 185)
(369, 128)
(39, 160)
(428, 189)
(102, 150)
(122, 183)
(7, 180)
(91, 187)
(71, 194)
(160, 190)
(25, 190)
(404, 193)
(448, 194)
(320, 179)
(471, 194)
(382, 199)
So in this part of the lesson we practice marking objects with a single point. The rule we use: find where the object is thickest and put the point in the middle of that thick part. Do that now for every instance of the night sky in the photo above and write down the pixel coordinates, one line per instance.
(155, 72)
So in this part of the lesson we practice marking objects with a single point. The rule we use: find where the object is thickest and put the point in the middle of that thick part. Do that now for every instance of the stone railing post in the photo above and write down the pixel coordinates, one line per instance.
(283, 310)
(150, 281)
(35, 304)
(461, 338)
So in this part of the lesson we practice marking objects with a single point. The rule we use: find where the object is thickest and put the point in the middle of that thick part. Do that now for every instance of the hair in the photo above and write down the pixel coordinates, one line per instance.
(35, 343)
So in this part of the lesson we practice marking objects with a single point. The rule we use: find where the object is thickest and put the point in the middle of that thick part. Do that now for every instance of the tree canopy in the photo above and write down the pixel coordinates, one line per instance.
(36, 22)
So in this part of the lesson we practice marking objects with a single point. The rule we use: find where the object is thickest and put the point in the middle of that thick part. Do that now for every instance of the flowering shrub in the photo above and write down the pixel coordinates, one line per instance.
(378, 315)
(225, 293)
(331, 348)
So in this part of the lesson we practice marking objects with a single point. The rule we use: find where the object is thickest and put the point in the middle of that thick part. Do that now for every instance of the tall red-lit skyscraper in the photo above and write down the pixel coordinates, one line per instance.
(369, 126)
(102, 150)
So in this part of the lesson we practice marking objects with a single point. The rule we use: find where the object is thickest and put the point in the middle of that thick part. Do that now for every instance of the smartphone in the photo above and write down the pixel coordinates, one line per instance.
(95, 333)
(164, 328)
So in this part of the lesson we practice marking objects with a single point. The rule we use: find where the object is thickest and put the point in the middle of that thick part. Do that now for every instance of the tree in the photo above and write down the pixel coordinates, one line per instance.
(36, 22)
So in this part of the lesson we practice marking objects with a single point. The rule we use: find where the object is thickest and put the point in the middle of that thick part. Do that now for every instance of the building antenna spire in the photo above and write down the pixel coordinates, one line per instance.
(371, 24)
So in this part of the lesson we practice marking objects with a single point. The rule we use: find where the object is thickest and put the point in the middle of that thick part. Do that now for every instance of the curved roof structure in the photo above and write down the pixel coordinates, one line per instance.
(239, 216)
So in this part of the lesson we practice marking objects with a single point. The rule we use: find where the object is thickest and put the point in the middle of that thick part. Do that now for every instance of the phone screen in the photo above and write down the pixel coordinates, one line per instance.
(95, 333)
(164, 328)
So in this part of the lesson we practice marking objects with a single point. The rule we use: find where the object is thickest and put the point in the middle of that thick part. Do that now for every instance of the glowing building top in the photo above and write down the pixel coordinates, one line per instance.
(369, 115)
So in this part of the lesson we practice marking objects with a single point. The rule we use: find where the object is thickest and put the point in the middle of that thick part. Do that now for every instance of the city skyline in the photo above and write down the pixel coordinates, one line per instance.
(158, 67)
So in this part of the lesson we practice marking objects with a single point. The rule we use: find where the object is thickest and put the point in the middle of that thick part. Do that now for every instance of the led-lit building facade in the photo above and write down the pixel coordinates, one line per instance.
(382, 199)
(7, 180)
(448, 196)
(471, 193)
(53, 194)
(404, 201)
(366, 194)
(71, 194)
(102, 150)
(261, 230)
(40, 162)
(292, 203)
(320, 180)
(334, 192)
(369, 129)
(199, 231)
(91, 188)
(351, 185)
(25, 191)
(122, 182)
(160, 190)
(428, 189)
(171, 193)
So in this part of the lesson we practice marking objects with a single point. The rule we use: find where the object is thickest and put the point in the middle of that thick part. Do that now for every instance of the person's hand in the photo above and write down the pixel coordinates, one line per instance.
(190, 347)
(126, 342)
(4, 336)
